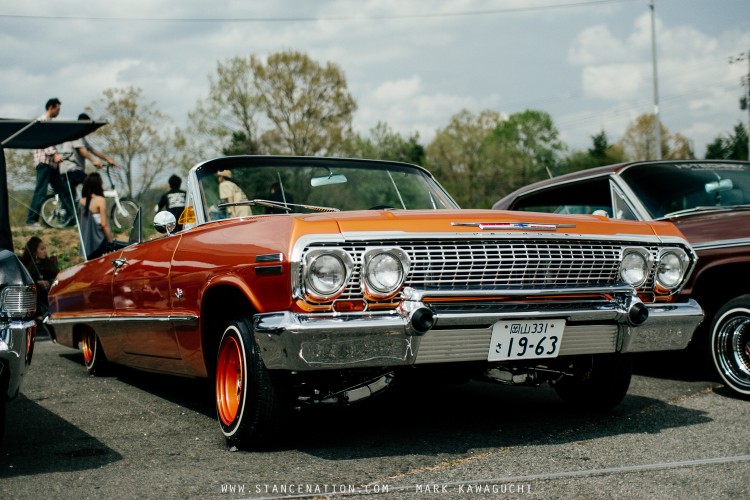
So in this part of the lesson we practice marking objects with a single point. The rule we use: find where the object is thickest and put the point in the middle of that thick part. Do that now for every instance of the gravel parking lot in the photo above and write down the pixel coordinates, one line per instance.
(136, 435)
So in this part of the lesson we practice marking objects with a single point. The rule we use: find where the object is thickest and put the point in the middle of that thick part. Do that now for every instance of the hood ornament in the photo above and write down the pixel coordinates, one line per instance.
(513, 226)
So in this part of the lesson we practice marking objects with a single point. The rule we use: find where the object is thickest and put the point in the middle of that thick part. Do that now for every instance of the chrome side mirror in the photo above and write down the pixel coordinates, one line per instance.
(165, 222)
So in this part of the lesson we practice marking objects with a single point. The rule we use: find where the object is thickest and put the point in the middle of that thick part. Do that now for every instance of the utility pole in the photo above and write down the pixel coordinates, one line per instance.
(745, 99)
(657, 121)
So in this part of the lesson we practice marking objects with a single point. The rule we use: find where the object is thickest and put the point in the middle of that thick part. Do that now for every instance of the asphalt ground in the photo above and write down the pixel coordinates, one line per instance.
(678, 434)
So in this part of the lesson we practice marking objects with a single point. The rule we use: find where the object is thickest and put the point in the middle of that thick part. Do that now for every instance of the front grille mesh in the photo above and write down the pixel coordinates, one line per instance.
(512, 264)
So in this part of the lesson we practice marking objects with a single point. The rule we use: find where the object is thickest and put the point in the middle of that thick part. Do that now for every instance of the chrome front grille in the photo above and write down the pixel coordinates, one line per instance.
(498, 264)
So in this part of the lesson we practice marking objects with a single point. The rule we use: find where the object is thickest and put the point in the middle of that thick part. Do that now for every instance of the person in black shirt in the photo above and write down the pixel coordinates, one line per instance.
(174, 200)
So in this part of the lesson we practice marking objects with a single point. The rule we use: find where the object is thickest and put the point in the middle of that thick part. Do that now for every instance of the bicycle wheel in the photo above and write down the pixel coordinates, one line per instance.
(123, 219)
(54, 214)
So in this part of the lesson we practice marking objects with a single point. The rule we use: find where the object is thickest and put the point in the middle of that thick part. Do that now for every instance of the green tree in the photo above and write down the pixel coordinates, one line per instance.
(227, 118)
(600, 153)
(21, 177)
(138, 136)
(464, 157)
(638, 141)
(289, 104)
(384, 143)
(309, 105)
(531, 140)
(732, 147)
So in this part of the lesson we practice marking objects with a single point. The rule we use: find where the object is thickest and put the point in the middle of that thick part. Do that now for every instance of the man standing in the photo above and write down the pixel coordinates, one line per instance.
(174, 200)
(229, 192)
(73, 166)
(47, 161)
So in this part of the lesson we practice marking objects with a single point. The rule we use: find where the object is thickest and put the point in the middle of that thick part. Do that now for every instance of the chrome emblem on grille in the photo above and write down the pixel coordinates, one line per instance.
(511, 226)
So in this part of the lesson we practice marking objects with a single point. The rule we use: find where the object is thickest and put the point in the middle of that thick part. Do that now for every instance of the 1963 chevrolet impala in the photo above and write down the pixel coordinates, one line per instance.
(317, 280)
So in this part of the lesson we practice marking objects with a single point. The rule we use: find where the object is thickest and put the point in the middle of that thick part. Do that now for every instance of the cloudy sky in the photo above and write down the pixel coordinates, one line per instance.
(412, 64)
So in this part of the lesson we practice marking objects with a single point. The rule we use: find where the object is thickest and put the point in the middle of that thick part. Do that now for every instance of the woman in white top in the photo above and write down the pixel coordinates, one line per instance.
(92, 213)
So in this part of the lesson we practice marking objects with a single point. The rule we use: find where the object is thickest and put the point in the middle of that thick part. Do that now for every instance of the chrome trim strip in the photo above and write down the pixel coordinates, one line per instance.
(529, 226)
(419, 294)
(715, 245)
(188, 318)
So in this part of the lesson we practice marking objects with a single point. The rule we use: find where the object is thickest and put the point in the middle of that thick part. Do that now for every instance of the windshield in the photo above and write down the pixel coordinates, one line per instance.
(235, 187)
(667, 189)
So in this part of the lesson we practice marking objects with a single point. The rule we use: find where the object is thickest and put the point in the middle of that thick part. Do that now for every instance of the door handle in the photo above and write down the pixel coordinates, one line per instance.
(118, 263)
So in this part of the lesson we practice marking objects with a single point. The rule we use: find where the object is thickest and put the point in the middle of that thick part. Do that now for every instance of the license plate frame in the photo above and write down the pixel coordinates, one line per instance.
(521, 339)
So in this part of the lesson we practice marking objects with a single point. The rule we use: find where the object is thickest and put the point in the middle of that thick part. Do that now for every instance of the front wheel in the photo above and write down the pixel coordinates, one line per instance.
(93, 355)
(124, 216)
(54, 213)
(599, 382)
(248, 402)
(730, 344)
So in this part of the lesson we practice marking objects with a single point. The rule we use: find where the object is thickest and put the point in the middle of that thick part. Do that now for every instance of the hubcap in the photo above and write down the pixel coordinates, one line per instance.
(732, 349)
(229, 381)
(87, 346)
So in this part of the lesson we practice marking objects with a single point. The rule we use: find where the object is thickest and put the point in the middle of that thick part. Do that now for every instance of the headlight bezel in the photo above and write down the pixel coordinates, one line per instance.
(313, 292)
(377, 291)
(684, 261)
(645, 257)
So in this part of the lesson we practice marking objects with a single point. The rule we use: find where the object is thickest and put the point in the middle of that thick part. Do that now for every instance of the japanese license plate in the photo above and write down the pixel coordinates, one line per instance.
(526, 339)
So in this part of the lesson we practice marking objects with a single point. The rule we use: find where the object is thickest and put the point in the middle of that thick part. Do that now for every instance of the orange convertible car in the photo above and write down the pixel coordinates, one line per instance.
(317, 280)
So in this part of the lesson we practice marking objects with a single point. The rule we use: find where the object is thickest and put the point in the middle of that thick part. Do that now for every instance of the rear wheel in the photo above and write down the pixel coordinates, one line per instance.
(248, 399)
(730, 344)
(600, 382)
(123, 219)
(93, 355)
(54, 213)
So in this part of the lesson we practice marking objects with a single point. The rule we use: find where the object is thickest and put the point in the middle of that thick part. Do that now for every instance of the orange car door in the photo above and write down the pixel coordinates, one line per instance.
(142, 304)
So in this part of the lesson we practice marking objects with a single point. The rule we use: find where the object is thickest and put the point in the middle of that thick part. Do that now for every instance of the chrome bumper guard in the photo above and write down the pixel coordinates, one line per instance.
(16, 348)
(460, 332)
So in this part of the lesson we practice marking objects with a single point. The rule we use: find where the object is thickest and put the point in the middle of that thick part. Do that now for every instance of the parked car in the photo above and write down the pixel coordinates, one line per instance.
(709, 201)
(17, 327)
(350, 274)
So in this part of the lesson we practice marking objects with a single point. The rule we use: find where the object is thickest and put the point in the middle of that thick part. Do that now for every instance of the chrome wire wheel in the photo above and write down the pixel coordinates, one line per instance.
(229, 381)
(730, 342)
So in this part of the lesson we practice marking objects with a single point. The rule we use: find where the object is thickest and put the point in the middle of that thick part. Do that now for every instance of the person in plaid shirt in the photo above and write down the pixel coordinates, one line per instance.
(47, 161)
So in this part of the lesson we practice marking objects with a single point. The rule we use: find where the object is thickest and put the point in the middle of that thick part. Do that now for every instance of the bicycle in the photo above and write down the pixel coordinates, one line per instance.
(122, 211)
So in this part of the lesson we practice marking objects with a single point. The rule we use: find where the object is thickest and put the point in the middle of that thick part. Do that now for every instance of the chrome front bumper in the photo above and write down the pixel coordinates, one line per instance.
(302, 342)
(16, 348)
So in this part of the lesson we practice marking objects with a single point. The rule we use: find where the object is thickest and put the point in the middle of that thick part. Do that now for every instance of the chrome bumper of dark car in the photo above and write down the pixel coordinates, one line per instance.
(461, 332)
(16, 347)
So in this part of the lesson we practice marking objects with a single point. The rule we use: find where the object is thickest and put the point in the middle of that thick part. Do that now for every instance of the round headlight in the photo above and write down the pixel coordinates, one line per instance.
(384, 272)
(326, 273)
(671, 268)
(634, 266)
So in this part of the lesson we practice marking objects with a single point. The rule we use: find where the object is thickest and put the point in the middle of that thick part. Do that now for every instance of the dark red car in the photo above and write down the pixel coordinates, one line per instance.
(709, 201)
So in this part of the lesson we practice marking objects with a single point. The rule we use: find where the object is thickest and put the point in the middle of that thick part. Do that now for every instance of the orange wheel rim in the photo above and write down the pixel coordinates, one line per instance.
(87, 346)
(229, 378)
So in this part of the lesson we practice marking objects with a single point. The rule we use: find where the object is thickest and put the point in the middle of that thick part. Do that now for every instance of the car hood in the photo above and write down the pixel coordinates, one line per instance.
(481, 221)
(714, 226)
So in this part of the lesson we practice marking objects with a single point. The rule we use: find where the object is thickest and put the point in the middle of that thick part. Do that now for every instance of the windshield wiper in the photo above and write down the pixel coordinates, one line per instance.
(276, 204)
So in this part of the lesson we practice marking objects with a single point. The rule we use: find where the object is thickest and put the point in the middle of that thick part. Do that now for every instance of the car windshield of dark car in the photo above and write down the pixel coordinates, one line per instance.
(257, 189)
(673, 188)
